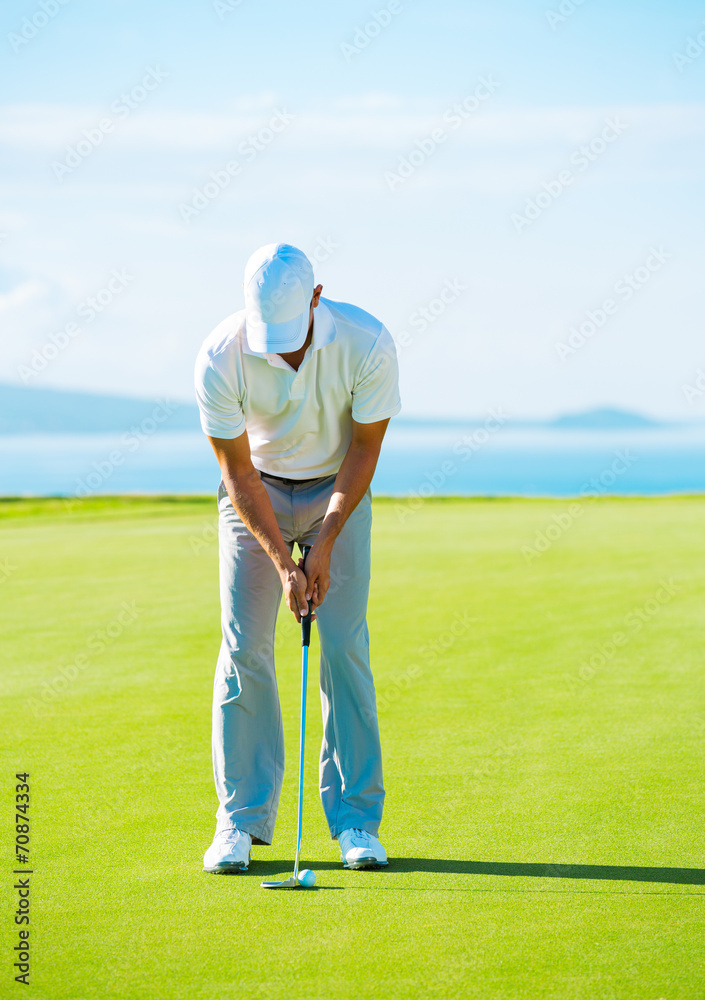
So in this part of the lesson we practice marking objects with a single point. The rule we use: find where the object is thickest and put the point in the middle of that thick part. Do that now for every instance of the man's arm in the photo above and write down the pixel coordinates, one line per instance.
(351, 484)
(251, 500)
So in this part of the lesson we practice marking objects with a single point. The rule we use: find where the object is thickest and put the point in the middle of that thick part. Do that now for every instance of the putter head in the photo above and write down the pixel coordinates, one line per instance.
(289, 883)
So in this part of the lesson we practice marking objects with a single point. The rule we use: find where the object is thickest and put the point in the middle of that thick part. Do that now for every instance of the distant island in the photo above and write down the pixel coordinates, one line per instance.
(54, 411)
(604, 419)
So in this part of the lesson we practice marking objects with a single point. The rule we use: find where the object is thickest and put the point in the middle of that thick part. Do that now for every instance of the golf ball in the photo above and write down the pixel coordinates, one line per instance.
(307, 878)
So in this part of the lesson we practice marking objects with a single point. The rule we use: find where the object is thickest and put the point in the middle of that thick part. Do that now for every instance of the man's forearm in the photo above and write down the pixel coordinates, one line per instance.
(251, 500)
(351, 484)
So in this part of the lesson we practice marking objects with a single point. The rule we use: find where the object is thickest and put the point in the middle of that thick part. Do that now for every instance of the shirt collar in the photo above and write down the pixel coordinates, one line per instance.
(324, 332)
(323, 326)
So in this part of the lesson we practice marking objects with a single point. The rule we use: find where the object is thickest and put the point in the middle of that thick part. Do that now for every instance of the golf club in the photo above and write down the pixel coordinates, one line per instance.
(293, 882)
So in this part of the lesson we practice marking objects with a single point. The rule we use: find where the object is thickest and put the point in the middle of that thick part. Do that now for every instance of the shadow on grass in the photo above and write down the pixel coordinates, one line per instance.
(612, 873)
(441, 866)
(265, 869)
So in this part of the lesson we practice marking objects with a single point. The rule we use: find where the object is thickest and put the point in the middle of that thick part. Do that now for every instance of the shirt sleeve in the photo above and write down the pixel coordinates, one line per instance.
(376, 390)
(219, 403)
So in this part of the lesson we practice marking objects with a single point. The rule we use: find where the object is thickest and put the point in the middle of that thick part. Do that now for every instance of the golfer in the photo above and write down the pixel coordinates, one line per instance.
(295, 393)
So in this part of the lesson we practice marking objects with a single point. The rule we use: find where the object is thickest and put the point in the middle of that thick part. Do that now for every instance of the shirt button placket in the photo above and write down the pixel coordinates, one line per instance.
(297, 387)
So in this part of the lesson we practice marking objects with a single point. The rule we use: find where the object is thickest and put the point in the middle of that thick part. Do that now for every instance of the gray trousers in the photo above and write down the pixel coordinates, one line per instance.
(248, 740)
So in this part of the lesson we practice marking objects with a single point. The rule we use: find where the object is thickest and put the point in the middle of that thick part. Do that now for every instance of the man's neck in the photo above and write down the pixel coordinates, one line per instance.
(294, 358)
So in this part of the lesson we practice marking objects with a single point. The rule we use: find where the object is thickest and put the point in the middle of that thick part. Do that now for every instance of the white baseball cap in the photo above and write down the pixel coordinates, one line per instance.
(278, 286)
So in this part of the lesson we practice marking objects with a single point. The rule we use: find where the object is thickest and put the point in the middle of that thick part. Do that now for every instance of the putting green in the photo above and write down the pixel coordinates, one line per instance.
(543, 723)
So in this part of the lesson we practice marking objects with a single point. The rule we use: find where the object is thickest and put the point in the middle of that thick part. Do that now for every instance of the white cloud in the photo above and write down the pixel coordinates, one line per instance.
(376, 121)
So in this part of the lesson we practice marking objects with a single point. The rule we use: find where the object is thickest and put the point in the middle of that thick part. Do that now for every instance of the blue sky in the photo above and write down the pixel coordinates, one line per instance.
(202, 78)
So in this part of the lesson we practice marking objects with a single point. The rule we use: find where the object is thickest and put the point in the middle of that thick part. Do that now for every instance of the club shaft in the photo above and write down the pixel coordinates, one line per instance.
(302, 741)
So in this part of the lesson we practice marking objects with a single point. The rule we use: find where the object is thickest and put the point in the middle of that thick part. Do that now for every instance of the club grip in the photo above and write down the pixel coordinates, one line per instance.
(306, 619)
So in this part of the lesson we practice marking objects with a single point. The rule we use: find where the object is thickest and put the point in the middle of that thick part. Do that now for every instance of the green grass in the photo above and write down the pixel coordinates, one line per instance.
(545, 782)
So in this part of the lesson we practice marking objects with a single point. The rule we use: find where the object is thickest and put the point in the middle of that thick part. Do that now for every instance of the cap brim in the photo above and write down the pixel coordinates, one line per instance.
(276, 338)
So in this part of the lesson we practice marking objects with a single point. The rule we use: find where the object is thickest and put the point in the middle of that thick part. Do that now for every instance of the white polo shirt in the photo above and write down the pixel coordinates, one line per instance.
(299, 424)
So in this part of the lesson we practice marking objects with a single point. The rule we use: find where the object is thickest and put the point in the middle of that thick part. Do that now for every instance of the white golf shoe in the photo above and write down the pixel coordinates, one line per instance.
(229, 852)
(359, 849)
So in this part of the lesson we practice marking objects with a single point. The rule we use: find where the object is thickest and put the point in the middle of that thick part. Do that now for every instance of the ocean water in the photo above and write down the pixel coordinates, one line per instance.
(423, 460)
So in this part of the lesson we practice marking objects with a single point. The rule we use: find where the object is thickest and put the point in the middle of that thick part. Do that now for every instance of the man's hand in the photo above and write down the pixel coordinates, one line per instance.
(295, 589)
(317, 574)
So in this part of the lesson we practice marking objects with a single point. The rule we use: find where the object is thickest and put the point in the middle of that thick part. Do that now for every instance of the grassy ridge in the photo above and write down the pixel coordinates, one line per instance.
(542, 719)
